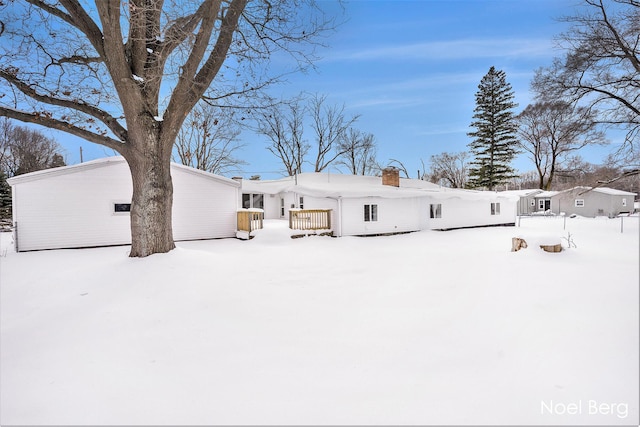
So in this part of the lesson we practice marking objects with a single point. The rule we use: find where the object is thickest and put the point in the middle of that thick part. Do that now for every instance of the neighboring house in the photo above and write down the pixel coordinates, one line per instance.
(543, 202)
(367, 205)
(534, 202)
(584, 201)
(527, 203)
(88, 204)
(592, 202)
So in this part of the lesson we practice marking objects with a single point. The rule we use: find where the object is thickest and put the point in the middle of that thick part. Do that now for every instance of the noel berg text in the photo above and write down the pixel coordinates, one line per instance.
(590, 407)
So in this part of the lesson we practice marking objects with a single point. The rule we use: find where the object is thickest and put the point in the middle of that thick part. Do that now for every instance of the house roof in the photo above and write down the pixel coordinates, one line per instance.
(105, 162)
(549, 194)
(546, 194)
(523, 193)
(603, 190)
(356, 186)
(613, 191)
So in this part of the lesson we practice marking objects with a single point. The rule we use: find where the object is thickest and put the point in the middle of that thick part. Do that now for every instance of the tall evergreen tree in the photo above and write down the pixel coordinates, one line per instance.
(494, 144)
(5, 197)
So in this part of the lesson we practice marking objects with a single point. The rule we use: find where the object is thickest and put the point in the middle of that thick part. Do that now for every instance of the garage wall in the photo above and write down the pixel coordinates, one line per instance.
(73, 206)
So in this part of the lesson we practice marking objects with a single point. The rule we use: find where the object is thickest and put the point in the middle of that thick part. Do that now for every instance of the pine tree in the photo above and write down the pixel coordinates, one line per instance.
(5, 197)
(494, 143)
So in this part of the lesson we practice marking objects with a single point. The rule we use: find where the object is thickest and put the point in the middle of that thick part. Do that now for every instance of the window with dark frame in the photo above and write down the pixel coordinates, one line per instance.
(122, 207)
(370, 213)
(258, 201)
(251, 200)
(246, 201)
(436, 210)
(495, 208)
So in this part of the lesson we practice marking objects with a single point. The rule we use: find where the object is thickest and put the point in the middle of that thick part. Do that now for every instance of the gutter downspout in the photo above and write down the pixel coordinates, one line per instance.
(340, 214)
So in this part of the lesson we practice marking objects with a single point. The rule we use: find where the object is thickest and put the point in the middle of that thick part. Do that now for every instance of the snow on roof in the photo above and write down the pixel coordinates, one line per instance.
(355, 186)
(522, 193)
(546, 194)
(613, 191)
(603, 190)
(103, 162)
(62, 170)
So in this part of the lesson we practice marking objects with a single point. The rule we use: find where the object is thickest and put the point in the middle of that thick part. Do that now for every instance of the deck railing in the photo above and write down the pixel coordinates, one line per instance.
(249, 220)
(310, 219)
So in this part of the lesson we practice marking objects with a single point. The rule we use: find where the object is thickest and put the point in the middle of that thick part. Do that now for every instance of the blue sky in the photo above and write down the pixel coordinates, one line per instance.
(411, 70)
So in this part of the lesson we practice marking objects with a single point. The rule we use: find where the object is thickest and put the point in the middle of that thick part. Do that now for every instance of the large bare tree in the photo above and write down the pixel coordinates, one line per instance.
(550, 132)
(450, 169)
(359, 152)
(329, 124)
(282, 124)
(208, 140)
(125, 75)
(601, 67)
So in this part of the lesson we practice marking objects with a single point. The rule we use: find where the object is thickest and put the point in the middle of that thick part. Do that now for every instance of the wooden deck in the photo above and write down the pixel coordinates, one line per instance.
(310, 219)
(249, 220)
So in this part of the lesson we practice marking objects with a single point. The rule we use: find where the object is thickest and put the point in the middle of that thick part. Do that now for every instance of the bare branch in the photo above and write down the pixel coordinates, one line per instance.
(76, 104)
(46, 120)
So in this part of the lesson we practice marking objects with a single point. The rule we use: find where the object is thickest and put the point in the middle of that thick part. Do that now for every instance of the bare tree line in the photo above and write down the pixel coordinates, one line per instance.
(333, 139)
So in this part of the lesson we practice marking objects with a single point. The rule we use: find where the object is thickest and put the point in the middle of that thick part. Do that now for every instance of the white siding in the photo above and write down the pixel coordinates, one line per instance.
(202, 207)
(271, 206)
(459, 212)
(73, 210)
(73, 207)
(394, 216)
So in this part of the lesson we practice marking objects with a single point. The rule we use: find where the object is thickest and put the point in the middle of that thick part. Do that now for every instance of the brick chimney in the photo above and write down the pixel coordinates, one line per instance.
(391, 176)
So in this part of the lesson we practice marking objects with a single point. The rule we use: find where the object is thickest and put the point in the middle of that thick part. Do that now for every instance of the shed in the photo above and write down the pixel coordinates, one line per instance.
(87, 205)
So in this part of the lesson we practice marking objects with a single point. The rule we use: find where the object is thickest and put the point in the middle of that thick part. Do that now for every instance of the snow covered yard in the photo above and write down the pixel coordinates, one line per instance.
(423, 328)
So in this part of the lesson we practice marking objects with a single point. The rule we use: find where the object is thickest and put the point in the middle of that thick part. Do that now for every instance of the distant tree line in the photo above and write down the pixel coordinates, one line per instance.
(23, 150)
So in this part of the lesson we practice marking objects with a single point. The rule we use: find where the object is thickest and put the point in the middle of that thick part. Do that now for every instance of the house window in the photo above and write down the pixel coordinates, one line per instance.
(579, 203)
(258, 201)
(495, 208)
(282, 207)
(301, 202)
(121, 208)
(370, 213)
(436, 211)
(252, 201)
(624, 202)
(541, 204)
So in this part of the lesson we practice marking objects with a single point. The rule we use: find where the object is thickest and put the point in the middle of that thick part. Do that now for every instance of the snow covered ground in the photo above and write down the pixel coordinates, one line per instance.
(423, 328)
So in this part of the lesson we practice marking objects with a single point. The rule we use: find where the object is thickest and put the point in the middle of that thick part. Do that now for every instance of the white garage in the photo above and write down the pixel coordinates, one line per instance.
(86, 205)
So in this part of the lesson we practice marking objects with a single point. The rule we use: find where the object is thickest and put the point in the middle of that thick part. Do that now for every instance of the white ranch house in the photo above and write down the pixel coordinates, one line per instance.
(87, 205)
(366, 205)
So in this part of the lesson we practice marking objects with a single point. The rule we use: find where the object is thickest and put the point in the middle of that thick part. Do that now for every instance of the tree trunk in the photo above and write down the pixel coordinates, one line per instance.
(151, 204)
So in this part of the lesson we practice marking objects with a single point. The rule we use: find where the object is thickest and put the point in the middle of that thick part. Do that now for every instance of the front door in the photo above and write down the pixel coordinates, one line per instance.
(544, 205)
